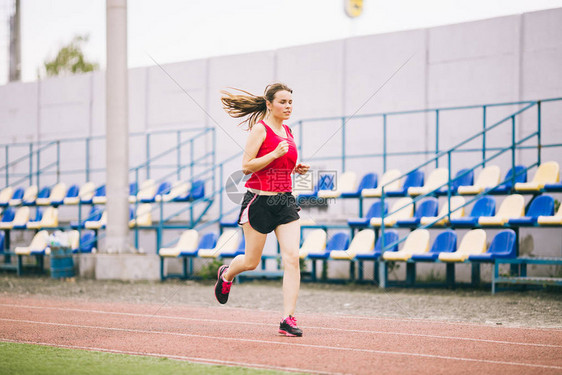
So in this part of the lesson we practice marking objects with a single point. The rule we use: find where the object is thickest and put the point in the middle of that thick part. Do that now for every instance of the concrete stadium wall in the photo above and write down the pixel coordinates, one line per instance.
(496, 60)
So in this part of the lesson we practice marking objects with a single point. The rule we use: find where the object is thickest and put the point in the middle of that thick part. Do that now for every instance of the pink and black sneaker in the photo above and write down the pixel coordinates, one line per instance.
(288, 327)
(222, 287)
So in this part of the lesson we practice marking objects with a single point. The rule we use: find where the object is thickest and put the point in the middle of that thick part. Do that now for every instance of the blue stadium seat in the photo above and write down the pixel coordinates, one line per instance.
(507, 184)
(428, 207)
(464, 177)
(374, 211)
(484, 206)
(369, 181)
(197, 191)
(543, 205)
(72, 191)
(444, 242)
(94, 215)
(2, 243)
(339, 241)
(413, 179)
(17, 196)
(87, 242)
(390, 236)
(8, 215)
(133, 188)
(163, 188)
(100, 192)
(43, 194)
(326, 182)
(502, 246)
(208, 241)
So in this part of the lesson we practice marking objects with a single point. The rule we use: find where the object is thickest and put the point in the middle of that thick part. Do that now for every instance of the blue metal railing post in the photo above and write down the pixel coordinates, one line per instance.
(135, 210)
(513, 151)
(38, 167)
(87, 159)
(437, 137)
(178, 139)
(7, 163)
(147, 156)
(343, 145)
(384, 142)
(214, 146)
(539, 145)
(484, 135)
(191, 153)
(30, 164)
(58, 161)
(220, 190)
(449, 185)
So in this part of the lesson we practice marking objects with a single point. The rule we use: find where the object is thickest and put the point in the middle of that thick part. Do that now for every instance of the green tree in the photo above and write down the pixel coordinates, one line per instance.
(70, 59)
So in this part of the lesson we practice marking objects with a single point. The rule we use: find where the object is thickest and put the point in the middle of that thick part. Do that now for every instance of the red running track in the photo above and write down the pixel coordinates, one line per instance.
(248, 338)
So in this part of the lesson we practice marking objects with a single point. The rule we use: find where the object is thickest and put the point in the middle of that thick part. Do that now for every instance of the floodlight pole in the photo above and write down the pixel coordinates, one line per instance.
(117, 129)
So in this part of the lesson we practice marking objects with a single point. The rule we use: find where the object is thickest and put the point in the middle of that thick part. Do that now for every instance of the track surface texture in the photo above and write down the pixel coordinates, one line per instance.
(334, 341)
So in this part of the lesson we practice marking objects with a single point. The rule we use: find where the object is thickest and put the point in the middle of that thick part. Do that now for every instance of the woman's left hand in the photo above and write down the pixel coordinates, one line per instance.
(302, 168)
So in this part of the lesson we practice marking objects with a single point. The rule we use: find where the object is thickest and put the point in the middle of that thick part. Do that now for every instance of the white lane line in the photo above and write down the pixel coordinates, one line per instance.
(204, 361)
(274, 325)
(383, 318)
(292, 344)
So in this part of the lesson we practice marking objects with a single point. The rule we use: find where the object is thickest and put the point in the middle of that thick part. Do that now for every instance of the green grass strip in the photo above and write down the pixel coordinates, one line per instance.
(16, 358)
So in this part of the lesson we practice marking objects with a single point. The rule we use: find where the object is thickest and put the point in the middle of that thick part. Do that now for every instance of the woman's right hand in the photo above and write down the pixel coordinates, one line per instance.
(281, 149)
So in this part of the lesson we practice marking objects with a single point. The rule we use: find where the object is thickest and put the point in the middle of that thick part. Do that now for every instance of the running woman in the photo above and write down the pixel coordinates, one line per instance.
(270, 156)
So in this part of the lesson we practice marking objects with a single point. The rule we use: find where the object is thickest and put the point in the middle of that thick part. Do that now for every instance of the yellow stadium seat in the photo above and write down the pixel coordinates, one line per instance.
(315, 242)
(456, 202)
(362, 243)
(188, 242)
(473, 243)
(6, 195)
(97, 224)
(85, 193)
(147, 191)
(228, 242)
(346, 183)
(387, 177)
(546, 173)
(143, 216)
(513, 206)
(179, 189)
(30, 195)
(489, 177)
(551, 220)
(436, 179)
(401, 209)
(50, 219)
(20, 219)
(38, 244)
(416, 243)
(57, 194)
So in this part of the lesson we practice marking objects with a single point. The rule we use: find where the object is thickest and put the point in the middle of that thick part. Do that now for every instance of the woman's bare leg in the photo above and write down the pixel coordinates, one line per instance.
(288, 236)
(255, 242)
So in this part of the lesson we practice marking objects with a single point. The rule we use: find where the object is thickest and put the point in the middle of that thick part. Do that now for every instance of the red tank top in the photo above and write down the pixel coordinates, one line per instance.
(276, 176)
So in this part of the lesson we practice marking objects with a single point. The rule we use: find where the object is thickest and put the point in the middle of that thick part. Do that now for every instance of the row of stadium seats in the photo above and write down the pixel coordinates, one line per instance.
(416, 247)
(88, 193)
(40, 243)
(546, 178)
(510, 213)
(96, 219)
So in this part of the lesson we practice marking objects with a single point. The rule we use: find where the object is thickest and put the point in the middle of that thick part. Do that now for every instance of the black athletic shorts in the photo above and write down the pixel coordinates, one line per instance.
(266, 212)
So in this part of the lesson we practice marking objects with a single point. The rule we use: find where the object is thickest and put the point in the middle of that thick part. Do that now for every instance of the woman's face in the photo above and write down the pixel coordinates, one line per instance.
(282, 105)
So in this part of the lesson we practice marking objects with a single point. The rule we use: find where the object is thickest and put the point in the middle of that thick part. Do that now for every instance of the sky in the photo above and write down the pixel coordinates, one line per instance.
(179, 30)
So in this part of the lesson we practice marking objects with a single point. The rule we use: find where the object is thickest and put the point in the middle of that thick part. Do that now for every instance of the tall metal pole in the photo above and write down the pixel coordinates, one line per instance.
(15, 44)
(117, 129)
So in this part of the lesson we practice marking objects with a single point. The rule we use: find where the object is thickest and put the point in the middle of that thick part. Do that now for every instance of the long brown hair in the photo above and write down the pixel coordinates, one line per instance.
(250, 105)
